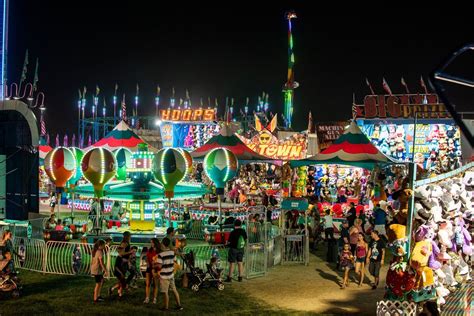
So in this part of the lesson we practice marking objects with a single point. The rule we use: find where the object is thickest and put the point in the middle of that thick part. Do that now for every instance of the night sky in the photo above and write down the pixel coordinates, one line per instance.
(234, 51)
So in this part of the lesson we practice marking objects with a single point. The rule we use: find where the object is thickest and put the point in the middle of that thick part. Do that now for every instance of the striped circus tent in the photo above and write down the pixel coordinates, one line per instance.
(227, 139)
(121, 136)
(352, 148)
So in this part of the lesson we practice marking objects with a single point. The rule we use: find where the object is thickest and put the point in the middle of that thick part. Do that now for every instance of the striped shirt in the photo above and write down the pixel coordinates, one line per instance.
(166, 259)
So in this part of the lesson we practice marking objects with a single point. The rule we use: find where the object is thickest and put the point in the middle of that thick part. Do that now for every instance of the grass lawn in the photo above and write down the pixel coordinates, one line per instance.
(71, 295)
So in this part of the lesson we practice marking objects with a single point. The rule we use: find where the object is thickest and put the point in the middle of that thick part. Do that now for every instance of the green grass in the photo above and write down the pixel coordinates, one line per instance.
(70, 295)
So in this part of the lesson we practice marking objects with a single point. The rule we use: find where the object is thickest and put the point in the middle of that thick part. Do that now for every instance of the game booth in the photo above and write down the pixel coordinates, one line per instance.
(412, 127)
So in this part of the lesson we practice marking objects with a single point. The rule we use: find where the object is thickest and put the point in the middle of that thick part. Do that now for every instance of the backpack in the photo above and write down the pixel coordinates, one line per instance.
(241, 242)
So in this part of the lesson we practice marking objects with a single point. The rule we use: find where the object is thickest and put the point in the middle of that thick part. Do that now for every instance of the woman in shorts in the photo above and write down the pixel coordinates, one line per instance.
(360, 255)
(152, 272)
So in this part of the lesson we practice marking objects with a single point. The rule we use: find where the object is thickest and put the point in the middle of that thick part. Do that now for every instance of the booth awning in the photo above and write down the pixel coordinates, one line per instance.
(352, 148)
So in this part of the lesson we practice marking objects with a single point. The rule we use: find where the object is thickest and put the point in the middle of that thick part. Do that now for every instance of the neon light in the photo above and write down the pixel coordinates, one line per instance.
(102, 166)
(4, 48)
(162, 164)
(51, 164)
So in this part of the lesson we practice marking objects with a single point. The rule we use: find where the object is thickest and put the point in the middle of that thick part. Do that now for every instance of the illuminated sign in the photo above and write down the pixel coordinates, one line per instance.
(396, 140)
(188, 115)
(401, 106)
(268, 145)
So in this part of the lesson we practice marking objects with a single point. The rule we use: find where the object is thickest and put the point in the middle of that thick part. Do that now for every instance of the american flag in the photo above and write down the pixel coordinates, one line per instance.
(405, 85)
(386, 87)
(370, 86)
(423, 85)
(43, 126)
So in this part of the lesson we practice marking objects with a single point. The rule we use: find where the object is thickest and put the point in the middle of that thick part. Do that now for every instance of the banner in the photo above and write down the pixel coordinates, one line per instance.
(167, 135)
(329, 132)
(431, 140)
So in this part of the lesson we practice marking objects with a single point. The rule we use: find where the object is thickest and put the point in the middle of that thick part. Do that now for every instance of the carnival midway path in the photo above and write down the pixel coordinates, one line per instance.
(314, 289)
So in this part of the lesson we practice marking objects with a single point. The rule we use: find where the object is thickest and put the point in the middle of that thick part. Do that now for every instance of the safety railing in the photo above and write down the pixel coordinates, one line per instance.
(203, 254)
(68, 258)
(294, 249)
(31, 253)
(197, 230)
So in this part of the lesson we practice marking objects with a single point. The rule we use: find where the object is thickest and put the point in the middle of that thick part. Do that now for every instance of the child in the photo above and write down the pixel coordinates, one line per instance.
(22, 253)
(345, 263)
(98, 269)
(7, 262)
(52, 203)
(132, 268)
(143, 261)
(76, 259)
(59, 225)
(215, 270)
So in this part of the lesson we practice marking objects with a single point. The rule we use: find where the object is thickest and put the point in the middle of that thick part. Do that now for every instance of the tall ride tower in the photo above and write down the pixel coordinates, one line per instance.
(3, 45)
(290, 84)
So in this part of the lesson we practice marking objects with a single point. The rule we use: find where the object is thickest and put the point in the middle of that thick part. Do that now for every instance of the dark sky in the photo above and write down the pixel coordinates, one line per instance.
(220, 51)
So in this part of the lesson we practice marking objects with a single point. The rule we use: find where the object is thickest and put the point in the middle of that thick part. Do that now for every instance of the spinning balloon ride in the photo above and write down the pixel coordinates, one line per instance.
(60, 166)
(220, 165)
(143, 181)
(98, 166)
(169, 167)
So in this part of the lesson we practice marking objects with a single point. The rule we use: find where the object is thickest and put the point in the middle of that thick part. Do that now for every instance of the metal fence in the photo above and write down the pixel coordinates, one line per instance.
(74, 258)
(197, 230)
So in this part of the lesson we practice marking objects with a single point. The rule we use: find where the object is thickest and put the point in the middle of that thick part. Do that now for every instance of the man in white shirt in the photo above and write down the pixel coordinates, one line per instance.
(328, 225)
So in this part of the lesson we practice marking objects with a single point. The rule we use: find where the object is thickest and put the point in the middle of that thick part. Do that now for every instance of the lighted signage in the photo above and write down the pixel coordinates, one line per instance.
(266, 144)
(396, 140)
(401, 106)
(187, 115)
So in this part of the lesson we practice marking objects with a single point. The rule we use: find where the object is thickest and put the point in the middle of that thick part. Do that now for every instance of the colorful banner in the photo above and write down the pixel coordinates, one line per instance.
(396, 140)
(167, 135)
(329, 132)
(188, 136)
(401, 106)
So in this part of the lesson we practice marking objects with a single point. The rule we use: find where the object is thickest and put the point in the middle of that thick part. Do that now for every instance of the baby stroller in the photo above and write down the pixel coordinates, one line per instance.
(9, 282)
(198, 279)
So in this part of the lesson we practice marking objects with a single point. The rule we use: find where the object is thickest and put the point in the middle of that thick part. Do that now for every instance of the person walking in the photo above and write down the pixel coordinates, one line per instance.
(152, 272)
(121, 264)
(380, 220)
(354, 234)
(375, 256)
(345, 261)
(237, 241)
(98, 269)
(166, 261)
(360, 256)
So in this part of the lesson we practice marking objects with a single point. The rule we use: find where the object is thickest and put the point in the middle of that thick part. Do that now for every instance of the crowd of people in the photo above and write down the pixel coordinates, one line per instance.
(157, 266)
